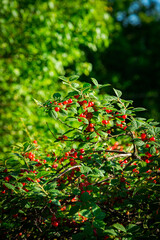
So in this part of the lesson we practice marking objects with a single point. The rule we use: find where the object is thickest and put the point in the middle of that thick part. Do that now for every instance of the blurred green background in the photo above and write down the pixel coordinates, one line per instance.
(113, 41)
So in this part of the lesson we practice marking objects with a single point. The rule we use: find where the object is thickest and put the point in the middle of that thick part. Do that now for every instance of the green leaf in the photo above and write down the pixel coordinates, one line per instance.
(85, 197)
(87, 85)
(74, 85)
(63, 112)
(117, 92)
(132, 228)
(85, 169)
(73, 78)
(90, 109)
(139, 109)
(104, 85)
(110, 232)
(95, 81)
(56, 202)
(43, 173)
(53, 114)
(152, 150)
(138, 142)
(119, 227)
(74, 209)
(72, 109)
(10, 186)
(37, 102)
(63, 78)
(56, 96)
(71, 119)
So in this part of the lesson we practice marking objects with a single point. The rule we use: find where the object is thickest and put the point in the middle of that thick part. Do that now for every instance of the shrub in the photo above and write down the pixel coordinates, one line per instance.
(99, 179)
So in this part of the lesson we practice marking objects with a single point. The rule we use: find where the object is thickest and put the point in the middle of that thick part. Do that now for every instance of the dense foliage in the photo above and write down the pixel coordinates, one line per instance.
(40, 40)
(98, 178)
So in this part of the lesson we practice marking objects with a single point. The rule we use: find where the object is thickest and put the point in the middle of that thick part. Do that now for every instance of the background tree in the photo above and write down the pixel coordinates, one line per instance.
(132, 61)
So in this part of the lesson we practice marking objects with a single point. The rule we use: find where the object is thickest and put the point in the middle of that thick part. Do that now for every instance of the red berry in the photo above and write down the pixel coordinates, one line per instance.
(81, 157)
(57, 109)
(124, 116)
(55, 224)
(65, 102)
(91, 125)
(82, 150)
(147, 146)
(55, 166)
(60, 104)
(70, 100)
(7, 179)
(122, 179)
(105, 121)
(76, 96)
(35, 142)
(67, 154)
(84, 101)
(108, 111)
(20, 234)
(83, 176)
(143, 136)
(90, 104)
(91, 129)
(152, 139)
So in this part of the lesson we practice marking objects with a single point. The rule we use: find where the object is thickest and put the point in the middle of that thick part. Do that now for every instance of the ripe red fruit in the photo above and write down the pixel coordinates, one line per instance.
(147, 145)
(152, 139)
(122, 179)
(105, 121)
(82, 150)
(72, 163)
(20, 234)
(108, 111)
(57, 109)
(124, 116)
(84, 101)
(83, 176)
(143, 136)
(55, 224)
(65, 102)
(91, 129)
(60, 104)
(67, 154)
(106, 237)
(35, 142)
(54, 166)
(7, 179)
(70, 100)
(91, 125)
(81, 157)
(90, 104)
(76, 96)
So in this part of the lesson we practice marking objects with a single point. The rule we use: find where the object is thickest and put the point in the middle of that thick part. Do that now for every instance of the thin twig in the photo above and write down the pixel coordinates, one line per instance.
(51, 131)
(61, 174)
